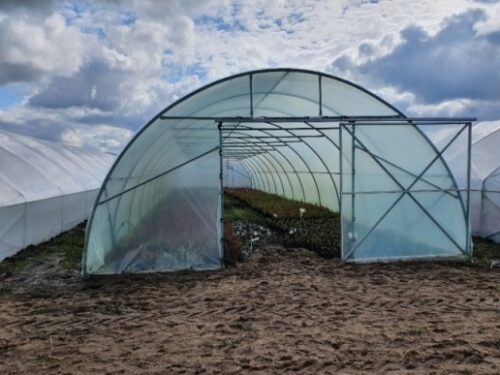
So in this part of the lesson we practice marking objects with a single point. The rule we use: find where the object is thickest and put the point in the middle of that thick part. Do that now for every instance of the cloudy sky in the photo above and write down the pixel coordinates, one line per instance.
(90, 73)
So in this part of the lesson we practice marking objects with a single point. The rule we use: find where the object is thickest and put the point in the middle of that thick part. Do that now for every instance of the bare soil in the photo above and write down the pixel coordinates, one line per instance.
(280, 311)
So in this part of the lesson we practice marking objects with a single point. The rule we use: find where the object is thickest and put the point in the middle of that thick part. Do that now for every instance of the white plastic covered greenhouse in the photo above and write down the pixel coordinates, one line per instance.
(485, 175)
(45, 188)
(300, 134)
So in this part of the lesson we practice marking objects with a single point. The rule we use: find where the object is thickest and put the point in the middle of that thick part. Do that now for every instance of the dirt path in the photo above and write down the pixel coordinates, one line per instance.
(285, 311)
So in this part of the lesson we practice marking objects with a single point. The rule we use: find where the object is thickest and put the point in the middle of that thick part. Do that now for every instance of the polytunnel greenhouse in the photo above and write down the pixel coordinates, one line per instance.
(484, 175)
(304, 135)
(45, 188)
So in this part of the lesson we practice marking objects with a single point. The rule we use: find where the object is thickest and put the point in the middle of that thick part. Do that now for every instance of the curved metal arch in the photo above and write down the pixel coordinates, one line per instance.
(251, 173)
(269, 163)
(301, 158)
(322, 162)
(277, 161)
(263, 155)
(261, 171)
(270, 154)
(309, 146)
(248, 174)
(288, 131)
(214, 83)
(291, 166)
(251, 73)
(259, 163)
(299, 178)
(319, 74)
(263, 178)
(394, 165)
(307, 166)
(281, 181)
(257, 167)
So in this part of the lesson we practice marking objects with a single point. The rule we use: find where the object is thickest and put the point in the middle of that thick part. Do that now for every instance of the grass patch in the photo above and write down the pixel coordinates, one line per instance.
(276, 206)
(17, 263)
(485, 251)
(318, 229)
(71, 244)
(236, 210)
(67, 247)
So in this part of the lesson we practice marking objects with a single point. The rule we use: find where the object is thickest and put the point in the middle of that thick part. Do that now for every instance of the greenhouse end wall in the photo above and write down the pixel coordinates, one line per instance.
(177, 152)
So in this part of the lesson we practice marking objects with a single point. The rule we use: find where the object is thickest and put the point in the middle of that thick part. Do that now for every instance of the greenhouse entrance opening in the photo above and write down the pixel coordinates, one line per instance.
(373, 195)
(304, 135)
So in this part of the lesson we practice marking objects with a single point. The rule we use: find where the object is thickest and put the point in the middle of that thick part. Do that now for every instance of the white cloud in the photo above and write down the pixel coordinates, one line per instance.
(30, 52)
(107, 64)
(452, 71)
(100, 137)
(492, 22)
(66, 126)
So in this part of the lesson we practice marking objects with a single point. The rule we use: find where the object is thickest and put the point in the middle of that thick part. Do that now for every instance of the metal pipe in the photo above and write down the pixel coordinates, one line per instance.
(468, 229)
(341, 188)
(221, 194)
(251, 94)
(278, 151)
(228, 128)
(405, 191)
(448, 191)
(277, 137)
(320, 96)
(400, 118)
(353, 181)
(276, 173)
(157, 176)
(256, 166)
(305, 163)
(258, 181)
(267, 161)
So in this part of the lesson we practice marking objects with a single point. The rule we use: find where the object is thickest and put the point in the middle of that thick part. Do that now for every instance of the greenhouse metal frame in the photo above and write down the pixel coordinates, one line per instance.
(349, 165)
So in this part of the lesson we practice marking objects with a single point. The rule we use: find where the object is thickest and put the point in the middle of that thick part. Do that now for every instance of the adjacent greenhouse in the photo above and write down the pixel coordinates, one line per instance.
(45, 189)
(484, 174)
(304, 135)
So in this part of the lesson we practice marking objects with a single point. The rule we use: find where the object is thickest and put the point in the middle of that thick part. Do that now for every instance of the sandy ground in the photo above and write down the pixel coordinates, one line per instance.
(281, 311)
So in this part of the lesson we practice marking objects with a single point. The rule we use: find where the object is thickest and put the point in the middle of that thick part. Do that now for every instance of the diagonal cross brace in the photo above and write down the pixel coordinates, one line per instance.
(404, 191)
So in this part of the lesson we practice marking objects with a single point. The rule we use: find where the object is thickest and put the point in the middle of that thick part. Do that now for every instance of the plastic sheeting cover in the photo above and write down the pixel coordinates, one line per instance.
(45, 188)
(134, 212)
(485, 178)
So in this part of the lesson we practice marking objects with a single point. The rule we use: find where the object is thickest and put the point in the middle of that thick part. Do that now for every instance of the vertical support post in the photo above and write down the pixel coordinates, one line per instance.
(251, 95)
(320, 96)
(353, 182)
(469, 152)
(341, 178)
(221, 176)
